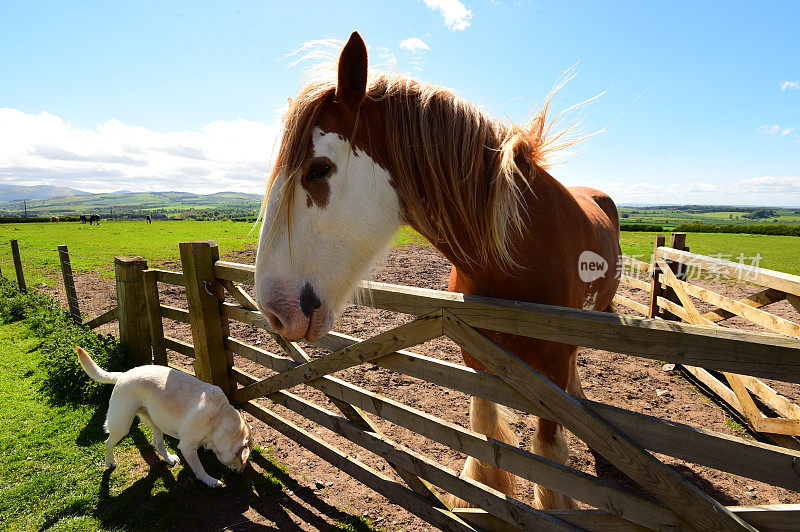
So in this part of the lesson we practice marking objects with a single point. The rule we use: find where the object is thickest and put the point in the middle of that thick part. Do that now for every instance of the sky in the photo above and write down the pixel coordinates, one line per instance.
(698, 102)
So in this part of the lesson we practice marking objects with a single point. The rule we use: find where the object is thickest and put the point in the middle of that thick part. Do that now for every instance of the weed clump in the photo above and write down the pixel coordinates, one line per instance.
(64, 380)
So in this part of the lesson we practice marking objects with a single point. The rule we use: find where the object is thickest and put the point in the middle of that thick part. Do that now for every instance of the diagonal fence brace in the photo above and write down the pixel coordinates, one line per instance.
(356, 416)
(349, 411)
(418, 331)
(670, 488)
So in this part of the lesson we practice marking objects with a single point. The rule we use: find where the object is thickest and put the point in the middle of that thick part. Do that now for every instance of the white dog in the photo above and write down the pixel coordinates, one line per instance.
(175, 403)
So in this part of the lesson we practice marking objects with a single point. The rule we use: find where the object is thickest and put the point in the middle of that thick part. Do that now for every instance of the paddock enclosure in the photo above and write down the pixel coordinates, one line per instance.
(728, 362)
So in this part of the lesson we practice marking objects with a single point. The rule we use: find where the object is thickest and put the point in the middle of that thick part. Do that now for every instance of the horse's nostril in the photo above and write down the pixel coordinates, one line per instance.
(309, 302)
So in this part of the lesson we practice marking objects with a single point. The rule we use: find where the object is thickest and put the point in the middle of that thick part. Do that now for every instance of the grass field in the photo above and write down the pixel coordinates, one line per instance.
(670, 217)
(780, 253)
(94, 247)
(52, 475)
(51, 457)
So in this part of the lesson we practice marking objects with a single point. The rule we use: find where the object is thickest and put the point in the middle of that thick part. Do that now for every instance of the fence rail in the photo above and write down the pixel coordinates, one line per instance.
(666, 501)
(619, 434)
(738, 391)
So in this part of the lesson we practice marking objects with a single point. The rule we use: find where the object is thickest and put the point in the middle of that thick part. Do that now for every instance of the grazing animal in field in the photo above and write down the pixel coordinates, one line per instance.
(178, 404)
(94, 219)
(54, 218)
(149, 220)
(361, 155)
(83, 218)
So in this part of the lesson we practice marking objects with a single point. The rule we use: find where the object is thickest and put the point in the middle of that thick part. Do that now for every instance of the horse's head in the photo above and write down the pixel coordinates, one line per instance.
(329, 210)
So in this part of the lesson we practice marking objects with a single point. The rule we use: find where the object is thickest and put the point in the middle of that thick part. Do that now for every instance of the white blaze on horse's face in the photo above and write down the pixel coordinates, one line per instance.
(345, 214)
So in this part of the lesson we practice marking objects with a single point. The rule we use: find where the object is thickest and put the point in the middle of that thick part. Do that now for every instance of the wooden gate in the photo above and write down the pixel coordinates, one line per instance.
(625, 438)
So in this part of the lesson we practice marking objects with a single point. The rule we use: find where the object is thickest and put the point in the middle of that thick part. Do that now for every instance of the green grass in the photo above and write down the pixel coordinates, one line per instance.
(159, 242)
(156, 242)
(52, 475)
(49, 455)
(406, 236)
(89, 245)
(777, 252)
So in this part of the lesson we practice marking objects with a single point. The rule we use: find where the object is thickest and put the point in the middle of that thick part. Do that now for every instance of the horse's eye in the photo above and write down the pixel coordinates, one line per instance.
(318, 171)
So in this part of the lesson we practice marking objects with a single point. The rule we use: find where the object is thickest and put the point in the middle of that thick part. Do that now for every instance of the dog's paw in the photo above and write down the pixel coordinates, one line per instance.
(111, 464)
(212, 482)
(172, 460)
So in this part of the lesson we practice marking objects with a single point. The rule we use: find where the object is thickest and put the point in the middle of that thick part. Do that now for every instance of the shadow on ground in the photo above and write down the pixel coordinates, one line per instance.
(608, 471)
(265, 497)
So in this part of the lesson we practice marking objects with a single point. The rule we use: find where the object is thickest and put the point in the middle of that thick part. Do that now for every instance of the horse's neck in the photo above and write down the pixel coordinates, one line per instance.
(544, 196)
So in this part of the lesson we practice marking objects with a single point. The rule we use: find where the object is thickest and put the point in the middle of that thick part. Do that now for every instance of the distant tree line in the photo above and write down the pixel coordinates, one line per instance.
(760, 214)
(773, 229)
(641, 227)
(698, 209)
(698, 227)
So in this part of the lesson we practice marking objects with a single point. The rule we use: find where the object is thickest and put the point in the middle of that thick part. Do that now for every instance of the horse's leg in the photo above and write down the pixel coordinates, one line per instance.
(492, 420)
(549, 442)
(574, 386)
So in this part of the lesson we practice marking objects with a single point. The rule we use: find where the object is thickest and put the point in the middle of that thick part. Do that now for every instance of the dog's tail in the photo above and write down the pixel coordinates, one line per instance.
(95, 372)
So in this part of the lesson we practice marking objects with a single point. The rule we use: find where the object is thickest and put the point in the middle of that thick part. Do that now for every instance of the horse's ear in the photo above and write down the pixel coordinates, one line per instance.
(351, 86)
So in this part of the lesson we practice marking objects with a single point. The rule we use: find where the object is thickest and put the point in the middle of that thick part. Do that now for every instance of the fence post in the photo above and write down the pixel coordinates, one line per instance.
(676, 241)
(655, 284)
(205, 295)
(18, 266)
(134, 329)
(150, 280)
(69, 284)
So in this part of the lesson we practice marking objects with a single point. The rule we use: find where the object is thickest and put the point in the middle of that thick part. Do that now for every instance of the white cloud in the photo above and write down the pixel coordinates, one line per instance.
(43, 149)
(388, 61)
(456, 15)
(315, 51)
(769, 130)
(414, 45)
(787, 131)
(764, 190)
(790, 85)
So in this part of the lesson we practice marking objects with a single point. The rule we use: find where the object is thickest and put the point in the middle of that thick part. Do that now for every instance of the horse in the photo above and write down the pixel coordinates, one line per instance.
(360, 155)
(149, 220)
(54, 218)
(83, 218)
(94, 219)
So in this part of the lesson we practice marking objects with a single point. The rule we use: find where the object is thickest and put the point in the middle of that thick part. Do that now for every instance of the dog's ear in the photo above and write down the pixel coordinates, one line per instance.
(244, 453)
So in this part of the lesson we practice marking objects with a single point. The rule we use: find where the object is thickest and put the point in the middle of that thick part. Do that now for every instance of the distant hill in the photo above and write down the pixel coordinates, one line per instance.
(36, 192)
(169, 204)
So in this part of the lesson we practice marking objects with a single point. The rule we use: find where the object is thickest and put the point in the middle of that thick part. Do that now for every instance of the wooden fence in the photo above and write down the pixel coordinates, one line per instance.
(130, 310)
(673, 296)
(667, 501)
(627, 439)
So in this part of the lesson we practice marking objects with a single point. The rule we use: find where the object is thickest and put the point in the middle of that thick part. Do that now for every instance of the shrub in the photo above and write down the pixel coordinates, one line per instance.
(64, 380)
(640, 227)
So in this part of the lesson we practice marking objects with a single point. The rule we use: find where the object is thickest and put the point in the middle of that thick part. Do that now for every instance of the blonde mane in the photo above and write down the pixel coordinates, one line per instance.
(456, 171)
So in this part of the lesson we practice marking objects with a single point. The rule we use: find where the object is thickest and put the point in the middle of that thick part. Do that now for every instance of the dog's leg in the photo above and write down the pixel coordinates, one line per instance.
(190, 454)
(158, 440)
(118, 423)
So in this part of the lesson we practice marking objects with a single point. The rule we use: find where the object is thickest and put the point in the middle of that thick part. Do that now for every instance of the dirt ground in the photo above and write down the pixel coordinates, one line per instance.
(634, 383)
